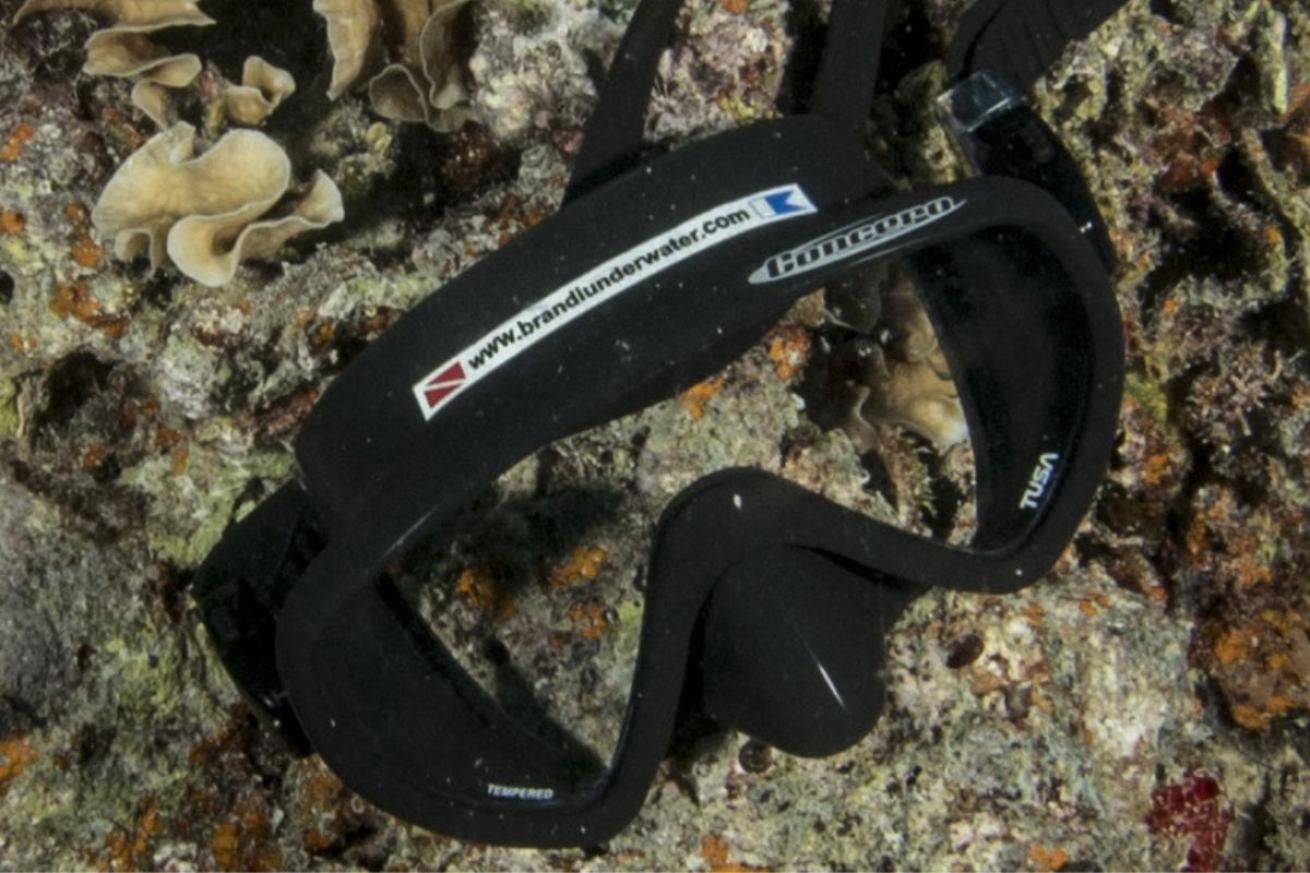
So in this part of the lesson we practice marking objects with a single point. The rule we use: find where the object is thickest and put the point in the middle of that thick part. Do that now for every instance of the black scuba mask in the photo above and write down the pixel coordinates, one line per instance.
(653, 275)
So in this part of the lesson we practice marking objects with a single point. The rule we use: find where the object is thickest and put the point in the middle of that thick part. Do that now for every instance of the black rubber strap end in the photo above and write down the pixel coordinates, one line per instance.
(1019, 40)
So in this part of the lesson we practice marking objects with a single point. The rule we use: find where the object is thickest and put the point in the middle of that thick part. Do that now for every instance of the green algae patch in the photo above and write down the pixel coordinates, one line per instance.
(193, 508)
(17, 252)
(9, 418)
(1149, 395)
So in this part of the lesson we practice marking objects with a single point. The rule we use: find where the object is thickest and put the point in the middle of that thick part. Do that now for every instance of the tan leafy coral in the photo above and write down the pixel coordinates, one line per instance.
(202, 211)
(447, 92)
(917, 396)
(209, 248)
(263, 88)
(150, 95)
(134, 56)
(352, 28)
(906, 381)
(124, 50)
(124, 54)
(397, 93)
(424, 81)
(142, 15)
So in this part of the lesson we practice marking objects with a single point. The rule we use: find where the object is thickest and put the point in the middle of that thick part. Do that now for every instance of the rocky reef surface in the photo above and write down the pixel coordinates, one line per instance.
(1144, 706)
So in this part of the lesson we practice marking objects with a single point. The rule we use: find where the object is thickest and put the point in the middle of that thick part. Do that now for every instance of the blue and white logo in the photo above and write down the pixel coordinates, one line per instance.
(787, 201)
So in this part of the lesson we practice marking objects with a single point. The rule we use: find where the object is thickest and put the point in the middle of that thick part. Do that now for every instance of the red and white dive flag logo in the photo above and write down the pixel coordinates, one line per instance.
(434, 390)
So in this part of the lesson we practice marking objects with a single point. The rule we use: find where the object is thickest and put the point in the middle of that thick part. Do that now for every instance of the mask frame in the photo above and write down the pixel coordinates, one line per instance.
(1012, 268)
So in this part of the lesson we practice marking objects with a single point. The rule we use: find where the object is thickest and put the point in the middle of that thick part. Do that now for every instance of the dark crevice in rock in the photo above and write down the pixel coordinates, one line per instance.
(1166, 9)
(92, 745)
(1285, 326)
(880, 481)
(72, 382)
(17, 716)
(964, 651)
(286, 33)
(1178, 517)
(1213, 253)
(52, 46)
(433, 173)
(945, 495)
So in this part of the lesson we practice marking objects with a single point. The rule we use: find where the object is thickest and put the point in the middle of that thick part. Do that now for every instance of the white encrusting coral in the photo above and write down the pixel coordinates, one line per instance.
(530, 73)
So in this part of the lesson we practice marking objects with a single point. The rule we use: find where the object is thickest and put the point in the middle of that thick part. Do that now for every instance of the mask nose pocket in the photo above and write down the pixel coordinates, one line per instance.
(792, 650)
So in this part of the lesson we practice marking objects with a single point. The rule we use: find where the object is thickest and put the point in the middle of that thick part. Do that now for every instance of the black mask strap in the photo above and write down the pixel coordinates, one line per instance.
(611, 143)
(1001, 48)
(843, 88)
(1019, 40)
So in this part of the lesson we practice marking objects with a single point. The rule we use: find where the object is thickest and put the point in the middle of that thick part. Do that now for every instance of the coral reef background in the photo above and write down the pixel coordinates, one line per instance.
(1146, 705)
